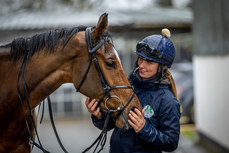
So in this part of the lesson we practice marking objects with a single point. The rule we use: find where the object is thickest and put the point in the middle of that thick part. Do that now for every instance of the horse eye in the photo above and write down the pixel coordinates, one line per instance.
(110, 64)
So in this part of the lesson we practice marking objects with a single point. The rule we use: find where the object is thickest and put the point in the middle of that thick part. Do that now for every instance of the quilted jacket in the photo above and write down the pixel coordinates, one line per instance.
(162, 128)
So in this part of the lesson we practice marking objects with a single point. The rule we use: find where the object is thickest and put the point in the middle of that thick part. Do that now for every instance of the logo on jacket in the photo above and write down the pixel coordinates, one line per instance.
(148, 111)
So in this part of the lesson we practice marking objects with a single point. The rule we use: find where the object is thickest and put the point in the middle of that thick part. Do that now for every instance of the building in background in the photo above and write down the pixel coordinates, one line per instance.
(128, 25)
(211, 60)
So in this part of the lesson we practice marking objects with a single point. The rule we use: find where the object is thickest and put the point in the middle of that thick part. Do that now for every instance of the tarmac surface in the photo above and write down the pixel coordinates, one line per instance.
(78, 134)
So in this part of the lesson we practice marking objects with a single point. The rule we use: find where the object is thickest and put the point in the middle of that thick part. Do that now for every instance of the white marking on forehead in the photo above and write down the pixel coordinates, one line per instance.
(116, 54)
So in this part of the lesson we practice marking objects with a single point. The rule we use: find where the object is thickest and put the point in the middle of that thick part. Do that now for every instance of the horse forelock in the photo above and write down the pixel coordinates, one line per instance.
(50, 40)
(107, 35)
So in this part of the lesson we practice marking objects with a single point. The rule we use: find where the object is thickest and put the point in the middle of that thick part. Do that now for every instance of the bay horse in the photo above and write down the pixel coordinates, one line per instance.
(83, 56)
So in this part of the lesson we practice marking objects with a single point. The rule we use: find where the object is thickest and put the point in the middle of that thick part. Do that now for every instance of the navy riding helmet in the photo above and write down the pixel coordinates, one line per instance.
(157, 48)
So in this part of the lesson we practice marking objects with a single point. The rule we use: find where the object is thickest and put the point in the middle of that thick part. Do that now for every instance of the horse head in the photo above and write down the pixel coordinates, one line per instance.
(101, 75)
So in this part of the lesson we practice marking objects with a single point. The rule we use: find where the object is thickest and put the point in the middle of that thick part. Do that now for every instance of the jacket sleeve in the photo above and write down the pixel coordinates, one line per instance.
(99, 123)
(166, 136)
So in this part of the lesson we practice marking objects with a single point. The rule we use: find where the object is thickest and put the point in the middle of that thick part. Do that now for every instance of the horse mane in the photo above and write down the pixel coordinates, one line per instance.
(27, 46)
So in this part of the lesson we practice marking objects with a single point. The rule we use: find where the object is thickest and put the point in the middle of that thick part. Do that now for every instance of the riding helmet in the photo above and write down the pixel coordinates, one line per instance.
(157, 48)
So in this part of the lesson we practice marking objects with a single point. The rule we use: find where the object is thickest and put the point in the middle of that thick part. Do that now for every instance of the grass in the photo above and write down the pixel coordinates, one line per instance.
(189, 134)
(188, 130)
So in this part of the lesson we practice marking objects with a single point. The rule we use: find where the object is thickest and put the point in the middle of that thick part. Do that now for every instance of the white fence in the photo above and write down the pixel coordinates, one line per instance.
(66, 102)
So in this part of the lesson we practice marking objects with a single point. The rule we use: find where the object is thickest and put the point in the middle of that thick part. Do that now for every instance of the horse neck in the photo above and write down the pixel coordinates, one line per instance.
(44, 73)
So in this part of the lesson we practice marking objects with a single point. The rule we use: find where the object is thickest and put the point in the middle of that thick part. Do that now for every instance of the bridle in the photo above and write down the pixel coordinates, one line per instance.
(104, 83)
(101, 139)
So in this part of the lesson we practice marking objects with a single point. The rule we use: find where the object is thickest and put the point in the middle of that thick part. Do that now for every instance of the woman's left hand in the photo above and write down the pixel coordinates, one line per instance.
(137, 120)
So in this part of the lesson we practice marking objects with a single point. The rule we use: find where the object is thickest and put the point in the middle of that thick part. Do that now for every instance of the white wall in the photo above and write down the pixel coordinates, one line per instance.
(211, 81)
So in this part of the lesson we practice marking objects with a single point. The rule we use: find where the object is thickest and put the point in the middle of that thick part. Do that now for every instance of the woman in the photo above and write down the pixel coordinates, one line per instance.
(157, 127)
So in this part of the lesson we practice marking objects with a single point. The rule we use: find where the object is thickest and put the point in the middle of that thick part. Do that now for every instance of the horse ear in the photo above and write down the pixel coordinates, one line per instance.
(102, 25)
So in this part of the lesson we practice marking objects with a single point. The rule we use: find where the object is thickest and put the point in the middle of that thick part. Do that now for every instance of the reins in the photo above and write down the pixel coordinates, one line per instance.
(22, 69)
(101, 139)
(32, 141)
(103, 136)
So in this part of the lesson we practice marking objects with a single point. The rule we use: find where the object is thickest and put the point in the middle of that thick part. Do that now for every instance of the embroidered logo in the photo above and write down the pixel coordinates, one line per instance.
(148, 111)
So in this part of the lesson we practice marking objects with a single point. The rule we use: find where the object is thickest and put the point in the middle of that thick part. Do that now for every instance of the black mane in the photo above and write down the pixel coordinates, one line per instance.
(29, 45)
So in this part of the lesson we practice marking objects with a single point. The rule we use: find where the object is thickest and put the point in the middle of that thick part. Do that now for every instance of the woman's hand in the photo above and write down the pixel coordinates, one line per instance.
(91, 107)
(137, 120)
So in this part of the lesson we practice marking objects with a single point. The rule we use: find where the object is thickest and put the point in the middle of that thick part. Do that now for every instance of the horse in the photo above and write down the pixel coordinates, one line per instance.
(31, 68)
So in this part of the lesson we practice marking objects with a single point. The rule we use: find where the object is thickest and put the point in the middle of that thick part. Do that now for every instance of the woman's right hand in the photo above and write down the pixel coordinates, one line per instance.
(91, 107)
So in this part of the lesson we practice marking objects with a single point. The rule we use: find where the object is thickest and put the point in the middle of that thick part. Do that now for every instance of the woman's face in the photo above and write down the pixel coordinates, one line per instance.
(147, 69)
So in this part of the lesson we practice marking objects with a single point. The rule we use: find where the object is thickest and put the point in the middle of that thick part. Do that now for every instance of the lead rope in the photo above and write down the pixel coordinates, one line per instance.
(101, 139)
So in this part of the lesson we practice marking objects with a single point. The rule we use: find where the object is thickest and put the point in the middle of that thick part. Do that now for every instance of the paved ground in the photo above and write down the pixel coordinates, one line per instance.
(78, 134)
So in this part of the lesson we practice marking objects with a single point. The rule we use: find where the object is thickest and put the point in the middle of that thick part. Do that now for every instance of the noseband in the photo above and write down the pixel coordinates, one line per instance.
(104, 83)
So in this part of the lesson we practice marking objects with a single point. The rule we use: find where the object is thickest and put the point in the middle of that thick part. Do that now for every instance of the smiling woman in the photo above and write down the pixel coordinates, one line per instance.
(156, 128)
(147, 69)
(36, 66)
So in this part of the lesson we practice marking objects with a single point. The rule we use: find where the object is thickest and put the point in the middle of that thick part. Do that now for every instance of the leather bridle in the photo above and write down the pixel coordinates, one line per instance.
(104, 83)
(101, 139)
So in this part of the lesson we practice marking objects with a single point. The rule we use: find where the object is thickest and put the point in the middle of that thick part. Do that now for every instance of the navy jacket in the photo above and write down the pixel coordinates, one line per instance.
(162, 128)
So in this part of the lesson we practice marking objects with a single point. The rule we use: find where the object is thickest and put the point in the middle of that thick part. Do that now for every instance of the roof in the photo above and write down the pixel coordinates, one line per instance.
(70, 18)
